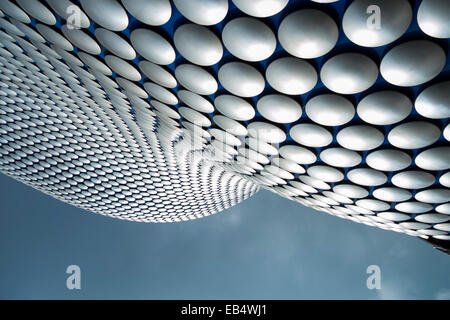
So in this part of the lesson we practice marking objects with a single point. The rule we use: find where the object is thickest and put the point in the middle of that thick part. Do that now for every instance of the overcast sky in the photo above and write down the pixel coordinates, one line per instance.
(264, 248)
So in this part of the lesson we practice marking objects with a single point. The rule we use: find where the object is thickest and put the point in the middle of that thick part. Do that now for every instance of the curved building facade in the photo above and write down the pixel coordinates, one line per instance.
(164, 111)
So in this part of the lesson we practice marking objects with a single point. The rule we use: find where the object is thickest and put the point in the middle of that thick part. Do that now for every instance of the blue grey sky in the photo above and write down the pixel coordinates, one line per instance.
(264, 248)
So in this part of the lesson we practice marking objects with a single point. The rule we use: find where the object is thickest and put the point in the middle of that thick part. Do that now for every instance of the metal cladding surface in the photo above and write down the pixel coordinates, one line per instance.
(163, 111)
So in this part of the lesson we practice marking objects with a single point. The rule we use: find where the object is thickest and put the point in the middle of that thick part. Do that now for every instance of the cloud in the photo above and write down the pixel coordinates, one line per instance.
(443, 294)
(397, 290)
(400, 250)
(390, 293)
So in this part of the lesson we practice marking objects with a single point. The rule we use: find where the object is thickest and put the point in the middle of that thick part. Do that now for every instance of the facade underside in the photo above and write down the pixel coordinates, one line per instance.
(166, 111)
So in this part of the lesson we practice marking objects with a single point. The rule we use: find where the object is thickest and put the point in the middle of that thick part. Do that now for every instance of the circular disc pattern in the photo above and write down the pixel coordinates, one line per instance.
(162, 111)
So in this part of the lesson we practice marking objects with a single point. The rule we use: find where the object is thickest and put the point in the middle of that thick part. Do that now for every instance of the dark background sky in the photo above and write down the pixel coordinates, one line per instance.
(265, 248)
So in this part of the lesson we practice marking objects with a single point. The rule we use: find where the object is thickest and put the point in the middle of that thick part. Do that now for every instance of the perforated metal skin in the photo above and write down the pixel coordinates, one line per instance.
(164, 111)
